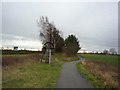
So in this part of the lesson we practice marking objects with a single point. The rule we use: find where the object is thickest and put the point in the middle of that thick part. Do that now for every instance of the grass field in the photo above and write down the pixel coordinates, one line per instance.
(100, 70)
(31, 73)
(112, 59)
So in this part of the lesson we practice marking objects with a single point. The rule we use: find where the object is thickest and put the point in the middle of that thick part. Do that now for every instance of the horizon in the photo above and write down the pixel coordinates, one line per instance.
(31, 49)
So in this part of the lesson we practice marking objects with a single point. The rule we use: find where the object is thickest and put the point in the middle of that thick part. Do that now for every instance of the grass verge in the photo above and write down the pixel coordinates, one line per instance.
(100, 74)
(31, 75)
(86, 74)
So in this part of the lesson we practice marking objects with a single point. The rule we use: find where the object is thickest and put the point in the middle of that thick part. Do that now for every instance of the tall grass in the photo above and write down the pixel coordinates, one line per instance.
(100, 68)
(89, 76)
(99, 71)
(17, 59)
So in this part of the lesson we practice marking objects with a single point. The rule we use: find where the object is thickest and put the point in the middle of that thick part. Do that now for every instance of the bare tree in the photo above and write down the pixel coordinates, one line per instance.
(112, 51)
(48, 31)
(50, 36)
(105, 51)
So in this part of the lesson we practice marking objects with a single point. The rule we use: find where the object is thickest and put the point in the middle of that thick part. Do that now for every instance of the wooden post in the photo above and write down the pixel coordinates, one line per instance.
(49, 56)
(48, 51)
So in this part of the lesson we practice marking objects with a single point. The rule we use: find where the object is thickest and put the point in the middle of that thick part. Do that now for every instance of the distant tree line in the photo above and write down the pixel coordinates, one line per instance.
(6, 52)
(110, 51)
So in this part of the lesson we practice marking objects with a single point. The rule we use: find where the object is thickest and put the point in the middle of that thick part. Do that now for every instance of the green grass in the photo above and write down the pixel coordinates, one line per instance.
(61, 58)
(0, 77)
(86, 74)
(112, 59)
(32, 75)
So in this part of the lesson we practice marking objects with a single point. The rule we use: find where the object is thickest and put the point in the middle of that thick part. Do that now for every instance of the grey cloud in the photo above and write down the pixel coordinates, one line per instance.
(20, 41)
(95, 24)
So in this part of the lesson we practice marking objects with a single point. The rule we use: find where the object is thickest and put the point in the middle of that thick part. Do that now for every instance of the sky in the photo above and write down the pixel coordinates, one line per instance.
(95, 24)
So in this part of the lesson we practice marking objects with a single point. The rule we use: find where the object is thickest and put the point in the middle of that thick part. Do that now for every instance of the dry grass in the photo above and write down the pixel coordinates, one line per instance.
(19, 59)
(103, 71)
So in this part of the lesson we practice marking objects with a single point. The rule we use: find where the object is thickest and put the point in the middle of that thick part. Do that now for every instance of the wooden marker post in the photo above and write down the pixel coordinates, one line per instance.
(48, 51)
(49, 56)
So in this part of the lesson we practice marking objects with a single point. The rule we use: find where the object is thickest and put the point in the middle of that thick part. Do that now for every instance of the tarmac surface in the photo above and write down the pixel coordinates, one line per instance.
(70, 77)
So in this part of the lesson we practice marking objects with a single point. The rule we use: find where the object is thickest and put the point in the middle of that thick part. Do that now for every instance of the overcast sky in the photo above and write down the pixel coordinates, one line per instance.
(95, 24)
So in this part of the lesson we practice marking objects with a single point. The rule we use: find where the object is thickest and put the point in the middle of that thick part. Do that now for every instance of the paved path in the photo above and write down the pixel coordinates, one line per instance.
(70, 77)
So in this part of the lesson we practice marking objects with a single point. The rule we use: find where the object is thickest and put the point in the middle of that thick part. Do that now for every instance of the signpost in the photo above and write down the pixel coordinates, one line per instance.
(48, 46)
(49, 56)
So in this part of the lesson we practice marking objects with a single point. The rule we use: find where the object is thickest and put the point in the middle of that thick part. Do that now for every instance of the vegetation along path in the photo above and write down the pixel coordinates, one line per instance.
(70, 77)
